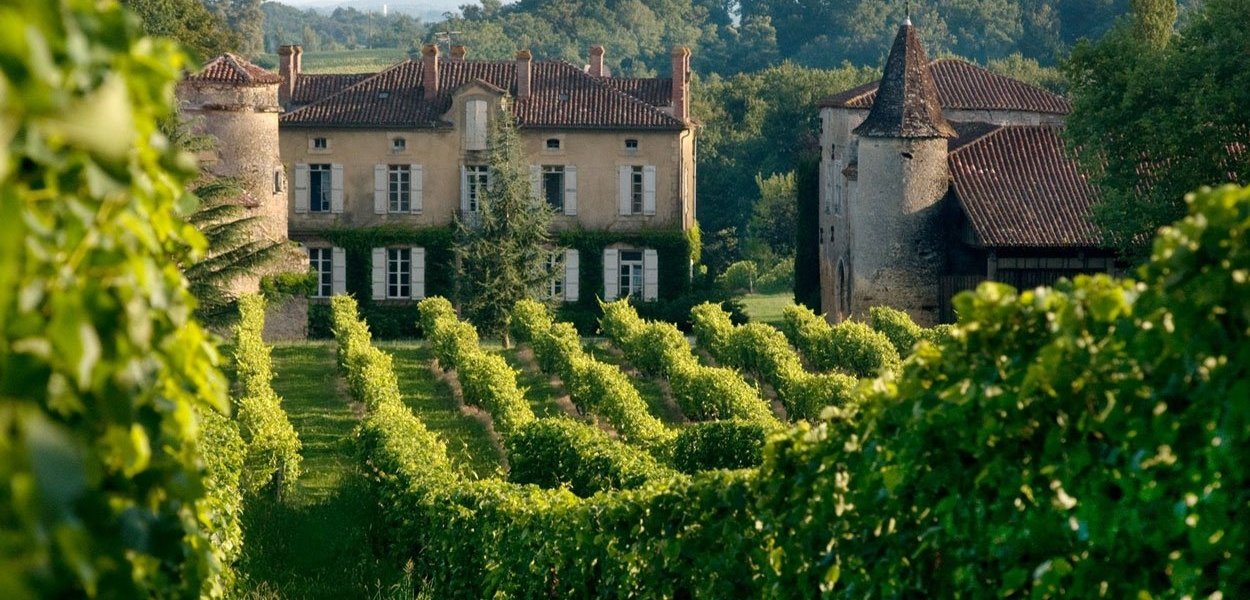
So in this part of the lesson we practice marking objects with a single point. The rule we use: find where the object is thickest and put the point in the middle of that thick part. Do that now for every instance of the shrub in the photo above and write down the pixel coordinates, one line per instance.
(559, 452)
(603, 390)
(657, 347)
(273, 446)
(431, 309)
(555, 349)
(488, 382)
(808, 394)
(938, 334)
(528, 319)
(709, 393)
(802, 327)
(223, 452)
(858, 350)
(777, 278)
(739, 276)
(450, 340)
(718, 445)
(897, 326)
(712, 327)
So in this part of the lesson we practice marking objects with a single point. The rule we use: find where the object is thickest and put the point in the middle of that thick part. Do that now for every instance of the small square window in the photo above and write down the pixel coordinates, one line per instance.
(553, 143)
(399, 144)
(320, 143)
(631, 145)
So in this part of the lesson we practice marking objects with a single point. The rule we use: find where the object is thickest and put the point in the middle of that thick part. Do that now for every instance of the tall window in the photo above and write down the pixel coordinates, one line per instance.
(399, 178)
(635, 189)
(322, 263)
(555, 269)
(630, 273)
(398, 273)
(477, 178)
(319, 188)
(553, 186)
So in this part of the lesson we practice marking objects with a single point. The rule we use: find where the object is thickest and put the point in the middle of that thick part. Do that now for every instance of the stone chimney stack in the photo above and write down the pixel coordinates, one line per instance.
(596, 61)
(681, 83)
(524, 64)
(429, 70)
(458, 53)
(289, 59)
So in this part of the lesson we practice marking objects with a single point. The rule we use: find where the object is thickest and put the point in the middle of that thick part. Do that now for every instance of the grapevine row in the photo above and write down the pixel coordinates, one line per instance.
(273, 446)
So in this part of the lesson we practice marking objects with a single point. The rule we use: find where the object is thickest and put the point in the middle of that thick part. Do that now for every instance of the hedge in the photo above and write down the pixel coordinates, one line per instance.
(559, 452)
(702, 392)
(273, 446)
(760, 349)
(223, 451)
(897, 327)
(852, 347)
(719, 445)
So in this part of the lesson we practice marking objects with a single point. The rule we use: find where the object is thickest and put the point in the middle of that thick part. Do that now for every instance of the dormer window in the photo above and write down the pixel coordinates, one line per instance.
(631, 145)
(553, 143)
(399, 144)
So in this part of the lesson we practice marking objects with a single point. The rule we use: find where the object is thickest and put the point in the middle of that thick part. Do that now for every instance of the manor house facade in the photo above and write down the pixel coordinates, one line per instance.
(406, 148)
(939, 176)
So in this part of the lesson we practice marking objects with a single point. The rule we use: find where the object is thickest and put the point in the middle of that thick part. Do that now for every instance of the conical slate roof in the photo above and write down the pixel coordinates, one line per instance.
(907, 104)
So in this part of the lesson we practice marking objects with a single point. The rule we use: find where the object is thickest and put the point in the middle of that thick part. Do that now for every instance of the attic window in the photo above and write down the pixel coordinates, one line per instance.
(553, 143)
(631, 145)
(320, 143)
(384, 94)
(399, 144)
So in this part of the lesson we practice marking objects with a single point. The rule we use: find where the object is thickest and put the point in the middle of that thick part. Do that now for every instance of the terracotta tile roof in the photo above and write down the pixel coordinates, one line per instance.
(229, 68)
(963, 85)
(907, 100)
(561, 96)
(653, 91)
(1019, 188)
(311, 87)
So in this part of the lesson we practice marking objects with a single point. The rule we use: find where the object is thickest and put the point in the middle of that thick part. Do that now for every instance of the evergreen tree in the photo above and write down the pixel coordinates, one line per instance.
(503, 251)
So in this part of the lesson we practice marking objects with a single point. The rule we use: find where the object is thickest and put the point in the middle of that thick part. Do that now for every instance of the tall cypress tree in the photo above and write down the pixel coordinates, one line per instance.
(504, 251)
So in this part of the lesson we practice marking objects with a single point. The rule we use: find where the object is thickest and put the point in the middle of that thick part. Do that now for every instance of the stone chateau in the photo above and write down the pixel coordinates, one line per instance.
(942, 175)
(403, 150)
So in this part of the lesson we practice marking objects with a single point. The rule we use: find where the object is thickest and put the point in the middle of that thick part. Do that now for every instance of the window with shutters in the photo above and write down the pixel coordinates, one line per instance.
(555, 268)
(629, 273)
(398, 273)
(319, 188)
(636, 190)
(477, 178)
(399, 188)
(553, 186)
(475, 125)
(321, 262)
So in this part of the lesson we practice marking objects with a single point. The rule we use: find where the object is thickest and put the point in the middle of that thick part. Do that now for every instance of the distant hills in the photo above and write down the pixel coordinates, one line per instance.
(426, 10)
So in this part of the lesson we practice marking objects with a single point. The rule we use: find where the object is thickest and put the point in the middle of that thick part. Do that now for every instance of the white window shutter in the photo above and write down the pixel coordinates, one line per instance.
(570, 190)
(416, 265)
(650, 275)
(336, 188)
(470, 126)
(379, 274)
(648, 190)
(571, 271)
(380, 199)
(624, 190)
(536, 181)
(338, 268)
(464, 189)
(416, 187)
(301, 188)
(611, 281)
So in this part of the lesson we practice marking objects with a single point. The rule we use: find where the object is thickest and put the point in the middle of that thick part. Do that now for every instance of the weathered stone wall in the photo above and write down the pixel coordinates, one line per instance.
(286, 320)
(838, 151)
(897, 242)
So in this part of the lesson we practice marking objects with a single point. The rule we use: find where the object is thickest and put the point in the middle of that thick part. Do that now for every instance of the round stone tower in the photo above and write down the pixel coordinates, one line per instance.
(897, 239)
(236, 102)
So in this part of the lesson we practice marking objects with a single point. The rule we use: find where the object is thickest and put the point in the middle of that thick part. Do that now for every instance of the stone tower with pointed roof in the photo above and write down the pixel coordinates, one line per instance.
(236, 102)
(889, 251)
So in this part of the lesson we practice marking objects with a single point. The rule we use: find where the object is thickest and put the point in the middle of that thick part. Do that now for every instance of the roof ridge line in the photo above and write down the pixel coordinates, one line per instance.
(601, 82)
(997, 129)
(349, 87)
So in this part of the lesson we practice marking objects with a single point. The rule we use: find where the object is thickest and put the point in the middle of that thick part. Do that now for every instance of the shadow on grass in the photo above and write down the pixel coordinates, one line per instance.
(323, 549)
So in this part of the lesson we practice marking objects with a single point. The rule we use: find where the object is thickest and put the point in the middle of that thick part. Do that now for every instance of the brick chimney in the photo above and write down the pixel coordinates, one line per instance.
(458, 52)
(524, 64)
(596, 61)
(681, 83)
(429, 69)
(289, 59)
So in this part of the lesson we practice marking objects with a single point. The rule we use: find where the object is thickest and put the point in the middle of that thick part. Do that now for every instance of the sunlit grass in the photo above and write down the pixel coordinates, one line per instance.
(766, 308)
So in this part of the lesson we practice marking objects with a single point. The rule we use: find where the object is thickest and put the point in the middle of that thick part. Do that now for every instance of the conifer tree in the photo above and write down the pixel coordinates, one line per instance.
(503, 251)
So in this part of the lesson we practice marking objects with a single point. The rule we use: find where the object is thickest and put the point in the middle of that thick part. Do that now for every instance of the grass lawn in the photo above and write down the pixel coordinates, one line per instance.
(766, 308)
(314, 543)
(468, 442)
